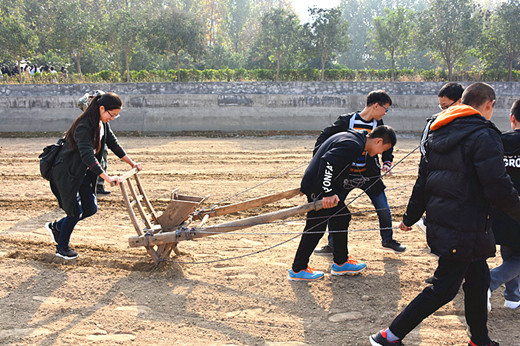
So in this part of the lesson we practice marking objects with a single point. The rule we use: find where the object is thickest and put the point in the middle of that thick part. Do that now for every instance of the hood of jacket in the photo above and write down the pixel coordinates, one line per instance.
(454, 124)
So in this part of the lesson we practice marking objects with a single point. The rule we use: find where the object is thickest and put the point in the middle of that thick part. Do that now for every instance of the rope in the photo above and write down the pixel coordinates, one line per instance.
(251, 188)
(299, 233)
(235, 257)
(263, 250)
(360, 194)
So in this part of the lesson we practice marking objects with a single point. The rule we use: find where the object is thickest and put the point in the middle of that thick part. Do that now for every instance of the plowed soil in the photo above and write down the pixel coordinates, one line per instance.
(221, 289)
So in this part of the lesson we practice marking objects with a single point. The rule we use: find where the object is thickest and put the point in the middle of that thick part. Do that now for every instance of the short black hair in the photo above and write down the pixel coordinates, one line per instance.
(378, 96)
(477, 94)
(515, 110)
(386, 133)
(451, 90)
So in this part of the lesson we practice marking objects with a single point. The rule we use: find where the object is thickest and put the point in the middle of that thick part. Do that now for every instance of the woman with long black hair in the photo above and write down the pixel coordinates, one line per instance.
(75, 171)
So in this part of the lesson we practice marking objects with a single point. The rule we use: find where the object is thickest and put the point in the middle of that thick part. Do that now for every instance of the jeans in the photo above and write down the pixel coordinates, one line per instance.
(446, 283)
(86, 206)
(507, 273)
(314, 230)
(383, 214)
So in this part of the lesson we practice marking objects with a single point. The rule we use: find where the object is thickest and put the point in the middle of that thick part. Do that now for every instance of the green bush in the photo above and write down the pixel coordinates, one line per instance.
(140, 76)
(109, 76)
(240, 74)
(516, 75)
(290, 75)
(195, 75)
(161, 75)
(309, 74)
(208, 75)
(261, 74)
(428, 75)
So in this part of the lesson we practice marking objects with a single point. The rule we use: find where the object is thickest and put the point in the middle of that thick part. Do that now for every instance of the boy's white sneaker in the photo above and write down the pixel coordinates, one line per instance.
(512, 305)
(489, 300)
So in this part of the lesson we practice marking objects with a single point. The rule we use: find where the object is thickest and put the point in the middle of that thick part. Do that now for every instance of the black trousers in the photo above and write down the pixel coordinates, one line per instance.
(314, 230)
(446, 283)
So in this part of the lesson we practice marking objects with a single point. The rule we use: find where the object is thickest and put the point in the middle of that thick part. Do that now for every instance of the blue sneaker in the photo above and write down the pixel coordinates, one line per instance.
(350, 267)
(308, 274)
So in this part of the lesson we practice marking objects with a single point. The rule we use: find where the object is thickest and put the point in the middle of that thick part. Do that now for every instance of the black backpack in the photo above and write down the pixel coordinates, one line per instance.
(48, 156)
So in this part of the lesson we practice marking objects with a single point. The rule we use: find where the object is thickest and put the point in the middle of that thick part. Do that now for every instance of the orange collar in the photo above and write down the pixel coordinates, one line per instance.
(452, 113)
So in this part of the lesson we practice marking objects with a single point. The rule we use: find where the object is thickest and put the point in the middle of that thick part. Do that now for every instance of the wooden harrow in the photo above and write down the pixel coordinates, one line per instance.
(160, 234)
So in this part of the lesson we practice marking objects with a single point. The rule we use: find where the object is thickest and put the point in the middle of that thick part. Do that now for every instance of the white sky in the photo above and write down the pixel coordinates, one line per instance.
(301, 6)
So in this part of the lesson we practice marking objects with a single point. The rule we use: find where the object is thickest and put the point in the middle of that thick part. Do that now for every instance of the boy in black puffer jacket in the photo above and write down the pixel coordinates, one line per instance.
(460, 176)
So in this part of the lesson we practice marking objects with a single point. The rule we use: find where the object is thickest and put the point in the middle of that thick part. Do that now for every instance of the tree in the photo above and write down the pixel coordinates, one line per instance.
(127, 37)
(392, 34)
(449, 29)
(17, 39)
(500, 35)
(74, 29)
(359, 15)
(41, 20)
(279, 35)
(238, 15)
(326, 34)
(174, 32)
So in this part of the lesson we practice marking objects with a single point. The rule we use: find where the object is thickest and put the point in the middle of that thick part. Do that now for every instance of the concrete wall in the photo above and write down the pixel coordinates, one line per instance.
(259, 106)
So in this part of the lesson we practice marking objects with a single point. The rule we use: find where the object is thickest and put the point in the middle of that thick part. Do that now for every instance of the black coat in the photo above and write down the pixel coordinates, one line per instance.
(373, 166)
(507, 230)
(330, 165)
(460, 176)
(74, 162)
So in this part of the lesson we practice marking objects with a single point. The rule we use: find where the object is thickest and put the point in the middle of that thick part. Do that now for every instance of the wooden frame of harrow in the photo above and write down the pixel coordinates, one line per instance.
(159, 235)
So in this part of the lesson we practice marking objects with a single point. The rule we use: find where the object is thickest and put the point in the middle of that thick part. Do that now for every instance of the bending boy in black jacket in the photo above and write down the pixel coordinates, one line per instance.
(325, 178)
(460, 176)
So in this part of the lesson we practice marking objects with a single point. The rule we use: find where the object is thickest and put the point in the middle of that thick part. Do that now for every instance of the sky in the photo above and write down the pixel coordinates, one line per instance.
(301, 6)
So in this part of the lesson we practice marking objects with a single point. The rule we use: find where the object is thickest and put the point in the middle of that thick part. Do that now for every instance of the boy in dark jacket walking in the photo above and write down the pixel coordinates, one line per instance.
(505, 229)
(367, 169)
(325, 178)
(461, 174)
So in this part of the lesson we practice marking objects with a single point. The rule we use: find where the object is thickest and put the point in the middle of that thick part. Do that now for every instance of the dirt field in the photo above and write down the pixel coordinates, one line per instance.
(113, 295)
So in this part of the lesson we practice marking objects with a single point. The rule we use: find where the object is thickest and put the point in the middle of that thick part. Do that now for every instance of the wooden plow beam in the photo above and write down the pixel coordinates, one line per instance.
(160, 234)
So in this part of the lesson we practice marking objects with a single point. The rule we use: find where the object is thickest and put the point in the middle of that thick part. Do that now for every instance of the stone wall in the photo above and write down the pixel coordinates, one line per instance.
(259, 106)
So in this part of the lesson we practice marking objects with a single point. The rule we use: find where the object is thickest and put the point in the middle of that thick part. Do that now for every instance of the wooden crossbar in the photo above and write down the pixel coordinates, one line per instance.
(252, 203)
(199, 232)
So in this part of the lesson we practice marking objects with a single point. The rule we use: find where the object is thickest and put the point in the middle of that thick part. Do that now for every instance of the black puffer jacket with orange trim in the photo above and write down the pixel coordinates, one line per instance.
(460, 177)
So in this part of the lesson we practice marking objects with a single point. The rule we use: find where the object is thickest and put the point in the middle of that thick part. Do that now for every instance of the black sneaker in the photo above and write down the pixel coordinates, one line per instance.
(67, 254)
(393, 245)
(324, 251)
(53, 230)
(101, 191)
(493, 343)
(380, 340)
